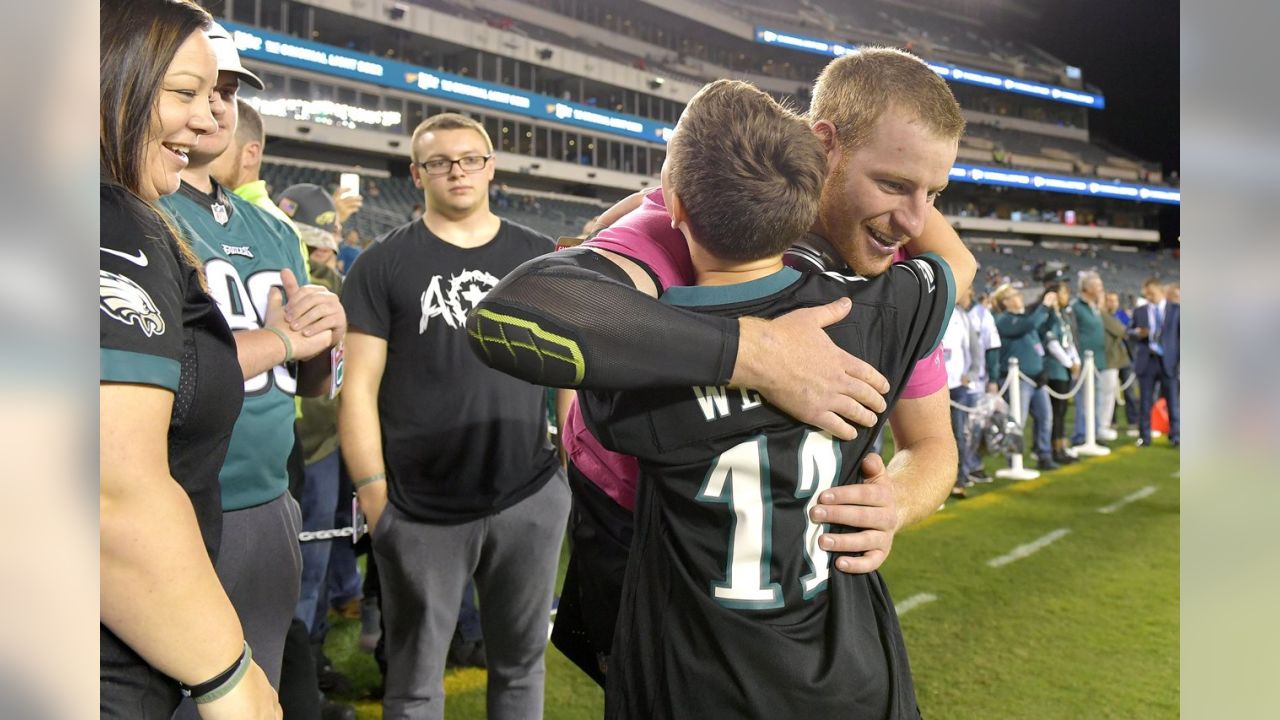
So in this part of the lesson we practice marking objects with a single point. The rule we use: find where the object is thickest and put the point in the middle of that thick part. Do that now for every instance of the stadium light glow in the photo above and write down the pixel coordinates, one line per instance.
(981, 78)
(1007, 177)
(271, 47)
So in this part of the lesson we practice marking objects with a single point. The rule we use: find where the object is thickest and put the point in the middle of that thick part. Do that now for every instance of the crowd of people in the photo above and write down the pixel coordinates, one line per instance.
(1133, 353)
(258, 371)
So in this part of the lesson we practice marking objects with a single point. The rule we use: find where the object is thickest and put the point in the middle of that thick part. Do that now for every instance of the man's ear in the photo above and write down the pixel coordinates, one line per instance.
(675, 208)
(413, 172)
(826, 132)
(251, 155)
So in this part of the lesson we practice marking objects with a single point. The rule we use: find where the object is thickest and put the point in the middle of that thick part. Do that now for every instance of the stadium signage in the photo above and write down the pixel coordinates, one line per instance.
(1063, 184)
(271, 47)
(324, 112)
(993, 81)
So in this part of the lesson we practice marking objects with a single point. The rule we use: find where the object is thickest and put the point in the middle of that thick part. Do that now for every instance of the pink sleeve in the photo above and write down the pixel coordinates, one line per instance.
(930, 374)
(646, 236)
(927, 377)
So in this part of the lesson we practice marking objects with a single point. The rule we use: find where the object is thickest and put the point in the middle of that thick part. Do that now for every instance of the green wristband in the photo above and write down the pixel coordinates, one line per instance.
(288, 346)
(202, 693)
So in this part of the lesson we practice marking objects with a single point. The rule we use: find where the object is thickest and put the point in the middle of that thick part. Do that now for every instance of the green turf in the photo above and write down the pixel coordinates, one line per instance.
(1085, 628)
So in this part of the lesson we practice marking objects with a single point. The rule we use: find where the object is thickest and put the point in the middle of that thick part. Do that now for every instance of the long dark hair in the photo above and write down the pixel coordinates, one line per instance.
(138, 40)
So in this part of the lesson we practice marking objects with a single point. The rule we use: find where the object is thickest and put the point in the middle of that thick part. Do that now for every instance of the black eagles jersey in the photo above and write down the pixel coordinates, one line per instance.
(730, 609)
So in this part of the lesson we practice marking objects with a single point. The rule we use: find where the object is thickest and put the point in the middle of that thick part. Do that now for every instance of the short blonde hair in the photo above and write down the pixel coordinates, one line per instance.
(447, 121)
(855, 90)
(748, 171)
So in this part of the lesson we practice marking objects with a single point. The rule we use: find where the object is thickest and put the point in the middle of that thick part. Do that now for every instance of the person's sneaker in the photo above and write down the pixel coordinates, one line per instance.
(1044, 462)
(370, 624)
(349, 609)
(1107, 435)
(979, 476)
(464, 653)
(331, 710)
(1132, 432)
(958, 491)
(1063, 458)
(332, 682)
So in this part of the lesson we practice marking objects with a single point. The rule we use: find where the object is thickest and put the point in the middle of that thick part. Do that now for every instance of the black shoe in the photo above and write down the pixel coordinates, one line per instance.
(465, 654)
(337, 711)
(979, 476)
(332, 682)
(1045, 462)
(958, 491)
(1062, 458)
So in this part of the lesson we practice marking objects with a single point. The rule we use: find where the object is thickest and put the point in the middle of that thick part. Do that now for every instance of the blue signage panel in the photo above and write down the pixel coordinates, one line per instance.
(273, 47)
(1008, 177)
(954, 73)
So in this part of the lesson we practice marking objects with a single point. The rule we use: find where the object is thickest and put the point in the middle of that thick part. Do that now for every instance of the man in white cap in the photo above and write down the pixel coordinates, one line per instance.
(283, 332)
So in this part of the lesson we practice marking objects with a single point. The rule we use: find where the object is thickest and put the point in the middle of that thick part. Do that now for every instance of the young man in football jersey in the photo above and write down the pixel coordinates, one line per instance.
(254, 265)
(881, 114)
(730, 607)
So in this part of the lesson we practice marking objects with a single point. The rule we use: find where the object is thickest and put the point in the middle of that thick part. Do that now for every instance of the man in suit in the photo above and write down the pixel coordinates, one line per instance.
(1156, 327)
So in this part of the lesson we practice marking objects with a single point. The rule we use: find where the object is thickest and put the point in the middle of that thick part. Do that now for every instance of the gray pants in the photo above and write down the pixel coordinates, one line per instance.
(260, 566)
(423, 568)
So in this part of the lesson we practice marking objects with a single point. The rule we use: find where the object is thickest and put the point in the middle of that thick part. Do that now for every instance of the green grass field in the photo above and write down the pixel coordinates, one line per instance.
(1085, 627)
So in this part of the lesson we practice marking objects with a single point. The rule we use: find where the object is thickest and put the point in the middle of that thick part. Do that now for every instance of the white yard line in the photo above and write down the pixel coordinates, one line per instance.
(1030, 548)
(1132, 497)
(914, 602)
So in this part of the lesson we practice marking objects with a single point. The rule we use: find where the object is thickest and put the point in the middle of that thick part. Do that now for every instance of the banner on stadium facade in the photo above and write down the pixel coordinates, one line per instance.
(272, 47)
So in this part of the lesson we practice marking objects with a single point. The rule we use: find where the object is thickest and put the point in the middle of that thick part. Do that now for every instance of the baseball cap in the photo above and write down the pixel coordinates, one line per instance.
(224, 46)
(312, 210)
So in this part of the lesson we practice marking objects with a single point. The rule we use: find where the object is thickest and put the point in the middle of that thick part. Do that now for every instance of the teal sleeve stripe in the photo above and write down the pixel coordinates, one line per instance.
(951, 298)
(131, 367)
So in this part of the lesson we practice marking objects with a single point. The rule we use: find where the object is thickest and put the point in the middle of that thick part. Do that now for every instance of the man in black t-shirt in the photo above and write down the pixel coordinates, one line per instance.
(730, 607)
(450, 459)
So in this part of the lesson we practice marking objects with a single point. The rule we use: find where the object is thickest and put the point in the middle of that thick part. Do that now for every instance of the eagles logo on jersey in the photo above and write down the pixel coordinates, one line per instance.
(126, 301)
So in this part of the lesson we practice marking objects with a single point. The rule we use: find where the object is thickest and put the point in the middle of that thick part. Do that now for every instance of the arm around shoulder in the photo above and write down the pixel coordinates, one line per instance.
(941, 239)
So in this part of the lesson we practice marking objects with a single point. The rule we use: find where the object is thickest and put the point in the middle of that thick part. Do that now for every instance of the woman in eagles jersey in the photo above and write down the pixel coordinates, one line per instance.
(170, 388)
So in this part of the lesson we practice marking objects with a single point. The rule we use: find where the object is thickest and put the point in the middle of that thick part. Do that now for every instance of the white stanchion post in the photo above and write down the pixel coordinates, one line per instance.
(1016, 471)
(1090, 446)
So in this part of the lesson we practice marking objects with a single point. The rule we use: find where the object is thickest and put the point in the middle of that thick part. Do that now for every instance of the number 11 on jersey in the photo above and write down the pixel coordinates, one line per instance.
(740, 477)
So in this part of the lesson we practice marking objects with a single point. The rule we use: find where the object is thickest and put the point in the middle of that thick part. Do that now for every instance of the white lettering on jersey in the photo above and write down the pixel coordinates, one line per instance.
(465, 291)
(241, 250)
(126, 301)
(713, 401)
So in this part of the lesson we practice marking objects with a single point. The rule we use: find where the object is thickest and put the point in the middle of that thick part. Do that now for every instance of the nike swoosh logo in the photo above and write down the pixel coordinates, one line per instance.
(140, 259)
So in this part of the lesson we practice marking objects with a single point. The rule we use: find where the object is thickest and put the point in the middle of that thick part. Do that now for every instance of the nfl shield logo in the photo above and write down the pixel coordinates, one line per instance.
(220, 213)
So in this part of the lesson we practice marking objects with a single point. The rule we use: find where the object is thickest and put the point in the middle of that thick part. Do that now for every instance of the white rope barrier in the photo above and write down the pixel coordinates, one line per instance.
(1016, 471)
(1000, 391)
(1126, 385)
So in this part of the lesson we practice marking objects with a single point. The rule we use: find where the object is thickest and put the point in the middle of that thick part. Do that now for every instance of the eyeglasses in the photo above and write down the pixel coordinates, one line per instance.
(468, 163)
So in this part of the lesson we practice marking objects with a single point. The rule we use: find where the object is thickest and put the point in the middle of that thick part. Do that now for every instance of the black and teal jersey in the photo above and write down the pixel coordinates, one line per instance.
(730, 609)
(243, 257)
(158, 327)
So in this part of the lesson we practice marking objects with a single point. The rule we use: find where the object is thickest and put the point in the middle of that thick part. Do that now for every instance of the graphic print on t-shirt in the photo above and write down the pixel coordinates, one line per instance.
(452, 299)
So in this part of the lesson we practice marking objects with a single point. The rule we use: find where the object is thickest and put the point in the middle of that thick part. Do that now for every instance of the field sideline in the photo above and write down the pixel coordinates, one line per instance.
(1050, 598)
